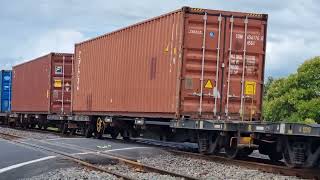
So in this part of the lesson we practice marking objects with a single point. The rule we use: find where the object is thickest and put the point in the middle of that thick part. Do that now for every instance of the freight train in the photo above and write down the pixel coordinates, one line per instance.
(192, 75)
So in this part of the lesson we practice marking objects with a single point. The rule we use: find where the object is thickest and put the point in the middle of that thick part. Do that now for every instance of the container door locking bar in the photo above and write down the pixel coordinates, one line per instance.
(243, 68)
(62, 93)
(229, 68)
(215, 89)
(205, 18)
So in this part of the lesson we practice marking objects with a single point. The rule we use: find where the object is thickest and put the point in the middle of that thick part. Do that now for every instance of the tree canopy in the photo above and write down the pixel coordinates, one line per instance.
(295, 98)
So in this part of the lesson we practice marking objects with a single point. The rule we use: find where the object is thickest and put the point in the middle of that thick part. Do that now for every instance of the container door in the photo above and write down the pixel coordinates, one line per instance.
(61, 84)
(244, 64)
(1, 82)
(6, 91)
(202, 63)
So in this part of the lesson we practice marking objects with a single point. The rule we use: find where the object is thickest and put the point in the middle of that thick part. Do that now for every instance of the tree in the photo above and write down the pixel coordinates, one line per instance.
(267, 85)
(295, 98)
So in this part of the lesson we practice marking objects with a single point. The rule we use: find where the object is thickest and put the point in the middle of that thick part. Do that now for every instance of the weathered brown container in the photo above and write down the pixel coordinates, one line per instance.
(184, 63)
(43, 85)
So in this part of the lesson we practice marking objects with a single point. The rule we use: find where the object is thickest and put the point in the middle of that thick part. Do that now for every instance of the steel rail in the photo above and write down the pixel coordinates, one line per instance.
(132, 163)
(13, 138)
(251, 163)
(269, 168)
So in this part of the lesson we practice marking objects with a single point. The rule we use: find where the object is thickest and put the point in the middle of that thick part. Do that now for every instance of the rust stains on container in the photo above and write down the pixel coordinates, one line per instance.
(43, 85)
(188, 63)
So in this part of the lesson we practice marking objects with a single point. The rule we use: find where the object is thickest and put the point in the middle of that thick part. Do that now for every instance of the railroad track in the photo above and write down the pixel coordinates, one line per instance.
(42, 131)
(131, 163)
(255, 164)
(250, 163)
(263, 165)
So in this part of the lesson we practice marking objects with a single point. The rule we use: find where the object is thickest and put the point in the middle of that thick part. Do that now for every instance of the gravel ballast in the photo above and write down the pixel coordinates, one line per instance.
(74, 173)
(205, 169)
(138, 174)
(28, 134)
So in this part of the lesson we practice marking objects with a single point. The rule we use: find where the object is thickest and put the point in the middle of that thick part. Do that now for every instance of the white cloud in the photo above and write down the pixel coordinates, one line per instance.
(58, 40)
(288, 51)
(30, 29)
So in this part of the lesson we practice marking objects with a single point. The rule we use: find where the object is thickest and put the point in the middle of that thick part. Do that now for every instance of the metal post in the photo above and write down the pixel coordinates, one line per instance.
(215, 90)
(202, 64)
(243, 67)
(229, 67)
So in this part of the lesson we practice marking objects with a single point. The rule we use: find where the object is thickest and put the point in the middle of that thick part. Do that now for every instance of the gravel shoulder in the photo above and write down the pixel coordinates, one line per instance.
(28, 134)
(74, 173)
(137, 173)
(207, 169)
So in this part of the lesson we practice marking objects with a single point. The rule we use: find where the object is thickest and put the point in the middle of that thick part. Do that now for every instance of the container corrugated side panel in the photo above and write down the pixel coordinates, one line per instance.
(5, 90)
(31, 86)
(130, 71)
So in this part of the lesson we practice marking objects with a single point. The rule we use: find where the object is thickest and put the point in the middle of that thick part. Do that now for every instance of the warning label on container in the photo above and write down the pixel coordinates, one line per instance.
(57, 83)
(58, 69)
(209, 85)
(250, 88)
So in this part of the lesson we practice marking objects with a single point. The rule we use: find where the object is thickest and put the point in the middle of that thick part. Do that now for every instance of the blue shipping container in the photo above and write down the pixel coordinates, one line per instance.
(5, 90)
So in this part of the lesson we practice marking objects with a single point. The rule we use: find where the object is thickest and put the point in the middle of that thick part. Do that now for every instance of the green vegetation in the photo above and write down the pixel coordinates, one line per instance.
(295, 98)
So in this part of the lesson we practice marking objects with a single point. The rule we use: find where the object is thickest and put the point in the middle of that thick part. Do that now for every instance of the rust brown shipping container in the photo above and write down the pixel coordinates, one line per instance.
(43, 85)
(187, 63)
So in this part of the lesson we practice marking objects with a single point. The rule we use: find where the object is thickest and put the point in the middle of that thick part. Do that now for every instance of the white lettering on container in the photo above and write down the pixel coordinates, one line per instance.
(78, 71)
(195, 31)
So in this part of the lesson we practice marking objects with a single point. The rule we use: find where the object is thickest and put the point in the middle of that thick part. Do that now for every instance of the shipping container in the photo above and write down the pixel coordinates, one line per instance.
(5, 90)
(43, 85)
(190, 63)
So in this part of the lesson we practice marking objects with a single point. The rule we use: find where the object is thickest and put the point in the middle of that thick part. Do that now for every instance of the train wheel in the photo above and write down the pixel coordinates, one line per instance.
(45, 126)
(275, 156)
(24, 125)
(114, 134)
(88, 132)
(73, 131)
(231, 152)
(98, 135)
(12, 124)
(214, 147)
(125, 135)
(245, 152)
(231, 147)
(64, 128)
(100, 126)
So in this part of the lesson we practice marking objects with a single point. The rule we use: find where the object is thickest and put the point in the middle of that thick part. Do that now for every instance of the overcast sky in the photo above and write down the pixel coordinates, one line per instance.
(31, 28)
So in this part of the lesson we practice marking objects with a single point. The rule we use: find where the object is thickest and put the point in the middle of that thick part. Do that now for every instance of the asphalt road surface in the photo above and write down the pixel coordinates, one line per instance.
(19, 161)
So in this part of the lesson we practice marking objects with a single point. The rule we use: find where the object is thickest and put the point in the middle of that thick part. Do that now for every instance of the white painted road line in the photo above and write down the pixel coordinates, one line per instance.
(111, 150)
(84, 153)
(123, 149)
(54, 139)
(24, 163)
